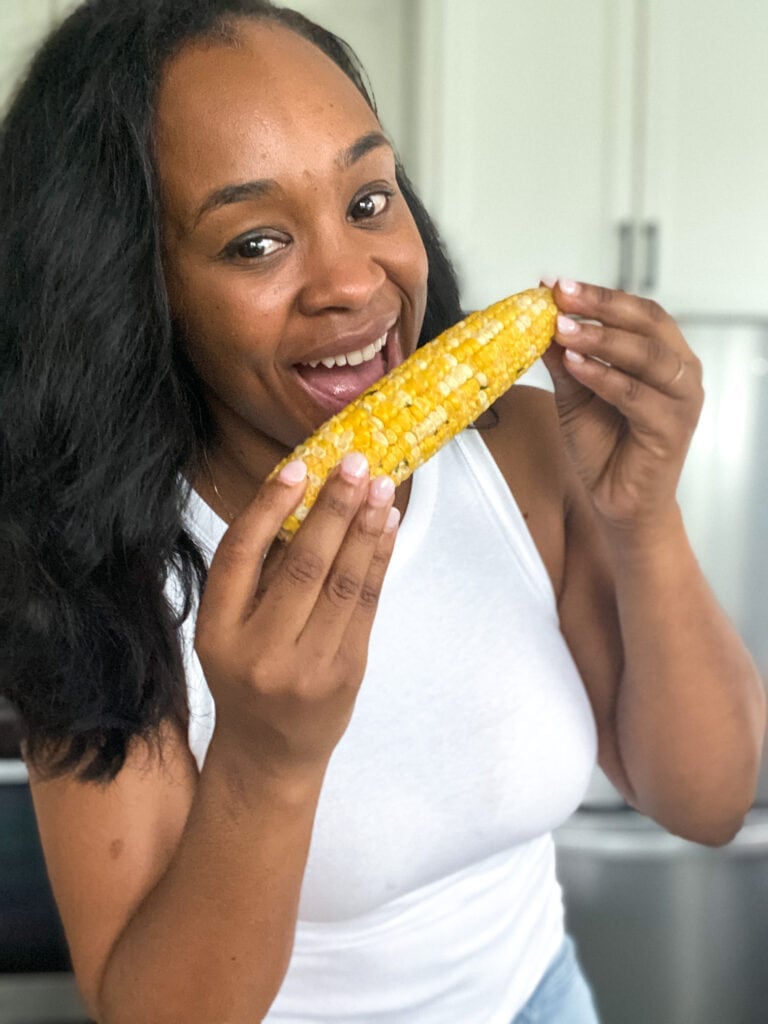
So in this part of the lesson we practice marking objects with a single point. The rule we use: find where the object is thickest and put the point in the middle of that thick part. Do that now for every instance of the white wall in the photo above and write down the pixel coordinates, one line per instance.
(22, 24)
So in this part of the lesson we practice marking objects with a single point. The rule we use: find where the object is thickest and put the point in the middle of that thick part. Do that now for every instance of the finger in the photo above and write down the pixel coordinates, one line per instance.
(234, 572)
(647, 409)
(270, 568)
(615, 308)
(361, 621)
(647, 357)
(347, 582)
(301, 574)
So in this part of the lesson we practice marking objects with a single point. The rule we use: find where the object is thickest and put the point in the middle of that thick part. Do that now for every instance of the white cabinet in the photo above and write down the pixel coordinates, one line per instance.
(706, 145)
(518, 160)
(621, 141)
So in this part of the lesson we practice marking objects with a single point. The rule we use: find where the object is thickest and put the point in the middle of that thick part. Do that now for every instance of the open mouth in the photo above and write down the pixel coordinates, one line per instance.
(336, 380)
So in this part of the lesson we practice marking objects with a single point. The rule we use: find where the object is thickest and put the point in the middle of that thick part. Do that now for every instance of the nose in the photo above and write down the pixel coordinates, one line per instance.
(341, 272)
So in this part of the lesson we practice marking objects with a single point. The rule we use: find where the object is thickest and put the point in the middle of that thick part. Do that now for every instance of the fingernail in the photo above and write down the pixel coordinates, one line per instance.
(381, 490)
(392, 520)
(573, 357)
(550, 282)
(565, 325)
(293, 472)
(354, 466)
(568, 286)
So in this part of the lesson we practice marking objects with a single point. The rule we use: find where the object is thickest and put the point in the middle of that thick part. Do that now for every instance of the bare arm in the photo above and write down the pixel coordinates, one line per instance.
(179, 895)
(679, 703)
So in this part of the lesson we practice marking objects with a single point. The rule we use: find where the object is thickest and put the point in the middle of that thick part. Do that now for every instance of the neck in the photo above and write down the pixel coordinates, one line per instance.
(227, 481)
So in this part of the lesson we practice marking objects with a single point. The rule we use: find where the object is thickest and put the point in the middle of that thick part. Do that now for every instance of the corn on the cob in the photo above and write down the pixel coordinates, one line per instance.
(407, 415)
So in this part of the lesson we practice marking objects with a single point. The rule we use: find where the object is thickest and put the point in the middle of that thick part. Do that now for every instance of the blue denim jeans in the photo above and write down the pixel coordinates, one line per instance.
(562, 996)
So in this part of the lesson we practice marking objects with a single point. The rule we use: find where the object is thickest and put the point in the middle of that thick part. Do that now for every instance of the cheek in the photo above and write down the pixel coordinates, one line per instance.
(409, 264)
(226, 321)
(418, 258)
(419, 272)
(217, 347)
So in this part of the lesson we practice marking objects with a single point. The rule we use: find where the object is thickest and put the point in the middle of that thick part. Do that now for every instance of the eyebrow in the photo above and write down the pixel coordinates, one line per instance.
(355, 152)
(229, 194)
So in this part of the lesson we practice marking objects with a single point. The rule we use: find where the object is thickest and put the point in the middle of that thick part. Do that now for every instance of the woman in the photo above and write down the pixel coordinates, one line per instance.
(199, 204)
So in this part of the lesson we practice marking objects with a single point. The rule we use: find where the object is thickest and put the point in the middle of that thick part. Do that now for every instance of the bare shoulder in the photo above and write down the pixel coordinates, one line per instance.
(526, 434)
(107, 844)
(523, 435)
(529, 403)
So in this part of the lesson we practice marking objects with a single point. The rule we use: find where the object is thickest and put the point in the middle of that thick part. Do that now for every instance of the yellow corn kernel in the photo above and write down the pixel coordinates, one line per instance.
(433, 395)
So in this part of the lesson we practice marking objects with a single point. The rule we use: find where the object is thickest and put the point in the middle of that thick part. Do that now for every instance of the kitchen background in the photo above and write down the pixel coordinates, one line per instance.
(623, 142)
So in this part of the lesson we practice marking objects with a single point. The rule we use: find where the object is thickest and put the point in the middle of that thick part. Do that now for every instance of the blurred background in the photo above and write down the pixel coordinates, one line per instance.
(623, 142)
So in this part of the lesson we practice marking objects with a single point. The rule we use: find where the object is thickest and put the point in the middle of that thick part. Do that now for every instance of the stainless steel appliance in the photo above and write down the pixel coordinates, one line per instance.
(668, 931)
(36, 983)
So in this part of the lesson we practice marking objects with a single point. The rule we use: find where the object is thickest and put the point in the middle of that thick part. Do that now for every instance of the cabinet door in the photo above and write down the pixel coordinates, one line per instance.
(525, 141)
(707, 154)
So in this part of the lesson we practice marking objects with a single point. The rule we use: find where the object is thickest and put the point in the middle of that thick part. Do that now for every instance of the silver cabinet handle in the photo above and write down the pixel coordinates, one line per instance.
(651, 239)
(626, 254)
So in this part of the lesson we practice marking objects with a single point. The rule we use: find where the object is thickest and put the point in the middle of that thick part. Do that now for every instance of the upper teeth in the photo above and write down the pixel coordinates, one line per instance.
(360, 355)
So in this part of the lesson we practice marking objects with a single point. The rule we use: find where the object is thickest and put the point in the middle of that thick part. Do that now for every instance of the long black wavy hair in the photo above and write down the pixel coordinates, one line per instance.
(101, 414)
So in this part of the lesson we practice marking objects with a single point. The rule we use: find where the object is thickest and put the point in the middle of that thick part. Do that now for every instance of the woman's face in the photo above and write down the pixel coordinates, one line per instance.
(294, 267)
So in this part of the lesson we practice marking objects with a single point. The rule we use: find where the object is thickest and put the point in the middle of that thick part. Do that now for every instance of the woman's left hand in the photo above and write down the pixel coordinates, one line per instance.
(629, 393)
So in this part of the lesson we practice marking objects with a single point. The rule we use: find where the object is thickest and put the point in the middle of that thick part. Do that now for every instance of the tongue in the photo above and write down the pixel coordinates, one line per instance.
(335, 387)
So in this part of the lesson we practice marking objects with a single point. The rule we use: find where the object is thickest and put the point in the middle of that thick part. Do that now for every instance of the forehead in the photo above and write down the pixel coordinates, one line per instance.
(230, 112)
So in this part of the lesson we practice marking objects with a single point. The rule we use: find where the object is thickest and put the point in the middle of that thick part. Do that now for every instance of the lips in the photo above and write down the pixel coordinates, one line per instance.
(336, 380)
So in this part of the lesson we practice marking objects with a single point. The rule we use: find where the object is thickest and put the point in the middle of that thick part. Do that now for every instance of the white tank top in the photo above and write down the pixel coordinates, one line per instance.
(430, 894)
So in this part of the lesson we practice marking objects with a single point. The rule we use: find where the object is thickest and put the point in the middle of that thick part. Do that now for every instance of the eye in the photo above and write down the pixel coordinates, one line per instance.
(372, 204)
(254, 247)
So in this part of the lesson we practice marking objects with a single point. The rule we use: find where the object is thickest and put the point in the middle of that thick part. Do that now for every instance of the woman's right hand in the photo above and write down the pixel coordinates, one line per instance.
(282, 631)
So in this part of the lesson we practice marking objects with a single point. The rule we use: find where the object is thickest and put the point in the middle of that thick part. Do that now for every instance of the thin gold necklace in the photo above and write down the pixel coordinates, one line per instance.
(225, 507)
